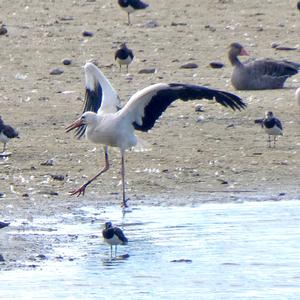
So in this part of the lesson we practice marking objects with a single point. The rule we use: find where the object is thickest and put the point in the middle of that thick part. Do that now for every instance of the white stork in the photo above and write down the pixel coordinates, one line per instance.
(104, 123)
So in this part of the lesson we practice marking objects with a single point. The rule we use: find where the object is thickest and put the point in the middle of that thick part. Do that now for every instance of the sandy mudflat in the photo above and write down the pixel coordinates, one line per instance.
(222, 157)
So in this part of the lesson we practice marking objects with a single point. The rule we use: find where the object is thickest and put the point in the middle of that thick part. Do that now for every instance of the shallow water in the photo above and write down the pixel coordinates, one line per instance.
(247, 250)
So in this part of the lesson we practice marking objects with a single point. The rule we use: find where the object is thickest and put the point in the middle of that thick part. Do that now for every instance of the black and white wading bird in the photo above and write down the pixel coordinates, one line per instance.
(260, 74)
(132, 5)
(113, 236)
(103, 123)
(124, 56)
(6, 133)
(272, 127)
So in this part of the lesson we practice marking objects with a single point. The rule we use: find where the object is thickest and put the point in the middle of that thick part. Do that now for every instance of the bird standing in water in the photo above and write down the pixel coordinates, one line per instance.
(124, 56)
(113, 236)
(272, 127)
(132, 5)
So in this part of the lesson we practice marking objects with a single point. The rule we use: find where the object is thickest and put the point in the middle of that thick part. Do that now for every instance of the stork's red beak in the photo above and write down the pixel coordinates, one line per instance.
(244, 52)
(76, 124)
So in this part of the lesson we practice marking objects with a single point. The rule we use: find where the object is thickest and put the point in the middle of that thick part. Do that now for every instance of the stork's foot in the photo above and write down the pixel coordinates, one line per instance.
(124, 203)
(79, 191)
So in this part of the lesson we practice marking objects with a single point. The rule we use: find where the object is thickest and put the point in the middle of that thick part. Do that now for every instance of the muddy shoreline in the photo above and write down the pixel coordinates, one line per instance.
(215, 155)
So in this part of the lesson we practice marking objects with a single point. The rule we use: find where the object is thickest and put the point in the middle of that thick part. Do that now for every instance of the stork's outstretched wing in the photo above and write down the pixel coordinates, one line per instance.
(100, 96)
(148, 104)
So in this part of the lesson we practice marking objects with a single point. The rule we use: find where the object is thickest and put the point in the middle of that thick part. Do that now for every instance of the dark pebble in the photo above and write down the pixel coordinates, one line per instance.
(230, 126)
(42, 257)
(66, 18)
(56, 71)
(178, 24)
(210, 28)
(94, 236)
(3, 30)
(48, 162)
(152, 24)
(87, 33)
(58, 177)
(33, 266)
(67, 61)
(216, 65)
(284, 48)
(123, 256)
(2, 195)
(275, 44)
(43, 98)
(199, 108)
(182, 260)
(222, 181)
(52, 193)
(189, 66)
(147, 71)
(257, 153)
(2, 258)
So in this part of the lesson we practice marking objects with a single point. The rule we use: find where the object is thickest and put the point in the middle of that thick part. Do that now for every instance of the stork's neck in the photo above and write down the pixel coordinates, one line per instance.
(92, 124)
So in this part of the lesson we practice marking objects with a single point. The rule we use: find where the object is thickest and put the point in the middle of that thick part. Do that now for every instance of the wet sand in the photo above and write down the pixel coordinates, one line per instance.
(215, 155)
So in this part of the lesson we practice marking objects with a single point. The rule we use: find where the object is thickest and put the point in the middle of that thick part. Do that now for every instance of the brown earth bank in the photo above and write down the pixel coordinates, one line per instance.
(215, 155)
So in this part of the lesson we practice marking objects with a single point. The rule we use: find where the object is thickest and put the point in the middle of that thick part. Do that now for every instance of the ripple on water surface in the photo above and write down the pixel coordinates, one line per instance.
(243, 251)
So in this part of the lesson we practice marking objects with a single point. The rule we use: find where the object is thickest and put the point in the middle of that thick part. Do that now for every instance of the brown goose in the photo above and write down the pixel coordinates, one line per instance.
(261, 74)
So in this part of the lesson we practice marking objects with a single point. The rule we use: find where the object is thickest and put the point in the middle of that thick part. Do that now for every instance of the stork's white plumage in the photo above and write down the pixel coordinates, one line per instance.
(117, 128)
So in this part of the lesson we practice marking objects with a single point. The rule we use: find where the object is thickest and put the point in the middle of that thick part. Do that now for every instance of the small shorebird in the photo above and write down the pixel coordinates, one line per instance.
(124, 56)
(105, 124)
(113, 236)
(6, 133)
(272, 126)
(132, 5)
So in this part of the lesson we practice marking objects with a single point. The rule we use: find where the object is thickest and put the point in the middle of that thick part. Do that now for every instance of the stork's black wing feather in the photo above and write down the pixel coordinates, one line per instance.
(92, 102)
(164, 97)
